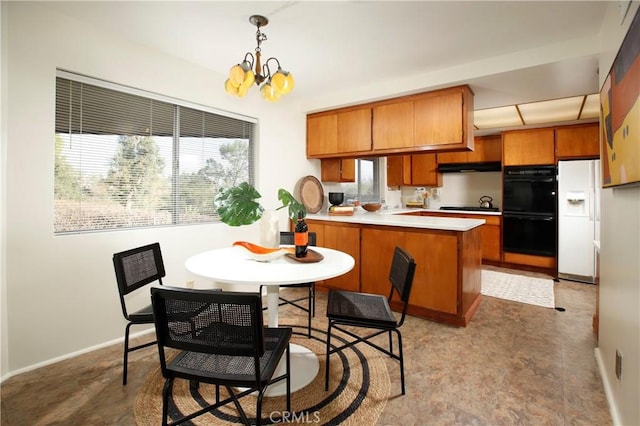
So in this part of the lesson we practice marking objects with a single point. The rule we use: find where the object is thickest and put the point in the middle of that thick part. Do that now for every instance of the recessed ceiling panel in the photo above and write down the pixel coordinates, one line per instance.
(494, 118)
(591, 108)
(565, 109)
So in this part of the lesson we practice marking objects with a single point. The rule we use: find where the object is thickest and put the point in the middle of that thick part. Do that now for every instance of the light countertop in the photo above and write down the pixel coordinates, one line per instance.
(484, 213)
(393, 217)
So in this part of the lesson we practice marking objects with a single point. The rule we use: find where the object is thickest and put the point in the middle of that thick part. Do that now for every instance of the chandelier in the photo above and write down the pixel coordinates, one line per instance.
(242, 76)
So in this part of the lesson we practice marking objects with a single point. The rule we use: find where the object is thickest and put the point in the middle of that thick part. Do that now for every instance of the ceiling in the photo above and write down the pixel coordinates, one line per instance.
(347, 52)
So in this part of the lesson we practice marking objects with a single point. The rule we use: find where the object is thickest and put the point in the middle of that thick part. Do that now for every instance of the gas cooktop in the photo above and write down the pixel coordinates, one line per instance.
(471, 209)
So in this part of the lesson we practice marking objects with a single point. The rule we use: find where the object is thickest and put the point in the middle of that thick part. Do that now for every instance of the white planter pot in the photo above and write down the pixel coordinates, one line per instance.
(269, 229)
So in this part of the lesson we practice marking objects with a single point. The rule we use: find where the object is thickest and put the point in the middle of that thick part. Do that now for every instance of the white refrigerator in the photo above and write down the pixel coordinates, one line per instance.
(578, 218)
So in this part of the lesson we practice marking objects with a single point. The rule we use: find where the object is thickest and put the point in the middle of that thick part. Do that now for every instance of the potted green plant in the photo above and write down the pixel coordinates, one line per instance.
(237, 206)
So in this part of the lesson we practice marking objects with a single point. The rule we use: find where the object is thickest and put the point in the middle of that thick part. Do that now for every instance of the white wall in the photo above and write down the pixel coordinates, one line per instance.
(3, 166)
(619, 265)
(59, 294)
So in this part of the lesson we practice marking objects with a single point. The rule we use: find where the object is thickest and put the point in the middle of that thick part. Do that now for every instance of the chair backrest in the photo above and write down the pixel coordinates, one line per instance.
(138, 267)
(208, 321)
(289, 238)
(403, 268)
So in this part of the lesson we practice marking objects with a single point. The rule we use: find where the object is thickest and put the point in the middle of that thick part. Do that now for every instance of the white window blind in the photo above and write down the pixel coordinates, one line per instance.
(123, 160)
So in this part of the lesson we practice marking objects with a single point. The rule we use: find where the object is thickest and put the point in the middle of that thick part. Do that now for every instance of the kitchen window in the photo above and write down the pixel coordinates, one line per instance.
(125, 158)
(367, 184)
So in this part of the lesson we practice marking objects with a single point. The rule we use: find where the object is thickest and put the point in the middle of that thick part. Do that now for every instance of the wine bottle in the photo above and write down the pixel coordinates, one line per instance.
(301, 236)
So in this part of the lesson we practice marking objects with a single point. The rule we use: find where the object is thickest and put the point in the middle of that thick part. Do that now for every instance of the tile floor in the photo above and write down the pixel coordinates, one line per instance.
(514, 364)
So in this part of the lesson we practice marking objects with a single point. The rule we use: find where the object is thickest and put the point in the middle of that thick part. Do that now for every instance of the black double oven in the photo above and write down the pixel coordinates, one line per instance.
(529, 210)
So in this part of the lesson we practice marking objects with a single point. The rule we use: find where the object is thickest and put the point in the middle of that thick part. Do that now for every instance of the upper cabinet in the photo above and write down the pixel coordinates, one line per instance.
(393, 126)
(415, 170)
(343, 132)
(528, 147)
(486, 149)
(547, 145)
(424, 170)
(581, 141)
(338, 170)
(322, 135)
(354, 130)
(441, 120)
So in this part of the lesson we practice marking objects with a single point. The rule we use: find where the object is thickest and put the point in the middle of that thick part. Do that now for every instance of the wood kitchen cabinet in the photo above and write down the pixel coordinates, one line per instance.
(528, 147)
(322, 135)
(486, 149)
(337, 170)
(425, 121)
(354, 130)
(436, 294)
(578, 142)
(446, 285)
(440, 119)
(416, 170)
(346, 238)
(447, 281)
(490, 233)
(393, 126)
(332, 133)
(430, 121)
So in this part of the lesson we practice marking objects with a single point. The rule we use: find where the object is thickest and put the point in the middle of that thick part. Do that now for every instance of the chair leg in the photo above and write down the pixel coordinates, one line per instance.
(126, 354)
(326, 363)
(166, 391)
(259, 408)
(312, 294)
(309, 317)
(288, 380)
(401, 359)
(241, 412)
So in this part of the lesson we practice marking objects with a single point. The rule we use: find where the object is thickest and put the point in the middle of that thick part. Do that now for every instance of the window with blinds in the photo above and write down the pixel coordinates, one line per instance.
(127, 160)
(367, 185)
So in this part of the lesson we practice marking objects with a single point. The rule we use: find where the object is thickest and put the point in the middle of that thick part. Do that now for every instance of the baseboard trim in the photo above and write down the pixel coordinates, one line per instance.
(72, 355)
(608, 392)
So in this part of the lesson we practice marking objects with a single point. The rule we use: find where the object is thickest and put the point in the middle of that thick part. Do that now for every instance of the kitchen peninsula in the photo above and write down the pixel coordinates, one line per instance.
(447, 251)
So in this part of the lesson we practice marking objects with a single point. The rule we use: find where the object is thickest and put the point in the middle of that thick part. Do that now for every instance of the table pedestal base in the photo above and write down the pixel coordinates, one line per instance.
(304, 368)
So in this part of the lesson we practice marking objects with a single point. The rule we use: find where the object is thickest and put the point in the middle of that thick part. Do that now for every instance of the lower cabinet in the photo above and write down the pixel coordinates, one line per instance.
(343, 237)
(446, 286)
(490, 233)
(435, 285)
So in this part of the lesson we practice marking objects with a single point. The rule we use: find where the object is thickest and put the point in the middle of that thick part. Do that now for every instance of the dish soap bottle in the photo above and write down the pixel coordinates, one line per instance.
(301, 236)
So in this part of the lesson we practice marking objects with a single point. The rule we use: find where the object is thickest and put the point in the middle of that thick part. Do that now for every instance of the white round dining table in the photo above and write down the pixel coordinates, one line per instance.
(234, 265)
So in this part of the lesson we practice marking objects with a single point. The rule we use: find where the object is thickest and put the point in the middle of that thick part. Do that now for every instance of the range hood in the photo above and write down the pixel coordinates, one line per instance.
(493, 166)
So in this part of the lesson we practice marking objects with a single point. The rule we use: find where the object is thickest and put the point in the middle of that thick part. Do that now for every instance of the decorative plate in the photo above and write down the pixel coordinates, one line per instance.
(311, 194)
(311, 257)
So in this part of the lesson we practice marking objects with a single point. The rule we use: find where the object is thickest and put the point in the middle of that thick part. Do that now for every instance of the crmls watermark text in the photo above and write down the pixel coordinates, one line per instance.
(299, 417)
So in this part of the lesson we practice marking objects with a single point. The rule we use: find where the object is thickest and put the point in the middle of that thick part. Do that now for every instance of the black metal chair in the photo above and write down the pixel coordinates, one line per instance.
(222, 341)
(134, 269)
(372, 311)
(310, 309)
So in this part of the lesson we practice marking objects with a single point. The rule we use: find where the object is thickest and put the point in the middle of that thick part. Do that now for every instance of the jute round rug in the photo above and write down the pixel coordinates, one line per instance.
(358, 391)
